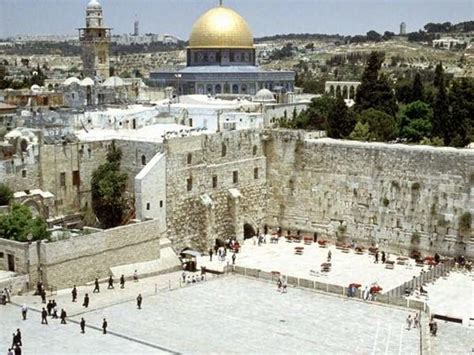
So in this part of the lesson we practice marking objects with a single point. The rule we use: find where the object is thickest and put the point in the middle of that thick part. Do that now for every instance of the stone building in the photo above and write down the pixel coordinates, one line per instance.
(221, 60)
(95, 42)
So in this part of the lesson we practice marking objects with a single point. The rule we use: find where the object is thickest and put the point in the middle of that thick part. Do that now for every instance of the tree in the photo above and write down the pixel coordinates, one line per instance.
(417, 91)
(374, 36)
(108, 187)
(382, 127)
(360, 132)
(438, 76)
(340, 121)
(19, 223)
(415, 121)
(6, 195)
(387, 35)
(315, 116)
(375, 91)
(461, 101)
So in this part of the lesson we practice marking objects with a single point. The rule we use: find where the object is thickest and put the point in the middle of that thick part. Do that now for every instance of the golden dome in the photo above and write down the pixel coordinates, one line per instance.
(221, 27)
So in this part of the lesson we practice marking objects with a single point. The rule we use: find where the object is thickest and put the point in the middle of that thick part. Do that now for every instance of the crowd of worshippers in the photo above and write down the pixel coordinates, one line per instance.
(230, 245)
(5, 295)
(461, 262)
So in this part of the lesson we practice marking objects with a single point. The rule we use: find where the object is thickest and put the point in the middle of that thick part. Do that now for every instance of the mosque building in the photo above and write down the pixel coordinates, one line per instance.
(221, 60)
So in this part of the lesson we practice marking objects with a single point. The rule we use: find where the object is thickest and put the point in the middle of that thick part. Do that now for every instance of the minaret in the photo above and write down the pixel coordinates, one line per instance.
(95, 43)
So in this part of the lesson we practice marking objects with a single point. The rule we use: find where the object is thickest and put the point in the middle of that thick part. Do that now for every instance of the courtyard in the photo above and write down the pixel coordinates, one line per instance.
(228, 314)
(346, 267)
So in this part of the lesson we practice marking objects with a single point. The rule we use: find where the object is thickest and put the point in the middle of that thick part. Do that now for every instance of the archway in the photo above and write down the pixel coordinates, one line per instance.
(249, 231)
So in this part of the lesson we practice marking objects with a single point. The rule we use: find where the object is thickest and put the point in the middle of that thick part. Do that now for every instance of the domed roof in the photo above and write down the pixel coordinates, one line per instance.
(87, 82)
(71, 80)
(221, 27)
(94, 4)
(264, 95)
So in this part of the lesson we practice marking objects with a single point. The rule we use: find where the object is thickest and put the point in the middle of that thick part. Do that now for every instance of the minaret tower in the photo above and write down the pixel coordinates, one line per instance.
(95, 43)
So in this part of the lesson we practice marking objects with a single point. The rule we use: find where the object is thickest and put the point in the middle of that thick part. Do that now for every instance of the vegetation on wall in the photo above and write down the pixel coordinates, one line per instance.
(6, 195)
(19, 223)
(108, 190)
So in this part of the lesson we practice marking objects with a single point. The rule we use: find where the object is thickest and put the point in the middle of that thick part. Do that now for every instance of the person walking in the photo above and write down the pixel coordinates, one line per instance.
(83, 325)
(96, 287)
(409, 320)
(183, 275)
(135, 276)
(104, 326)
(49, 307)
(74, 293)
(44, 316)
(416, 321)
(55, 313)
(233, 258)
(111, 283)
(210, 254)
(63, 316)
(139, 301)
(122, 281)
(376, 261)
(13, 340)
(86, 301)
(383, 257)
(329, 256)
(43, 295)
(18, 338)
(24, 311)
(17, 349)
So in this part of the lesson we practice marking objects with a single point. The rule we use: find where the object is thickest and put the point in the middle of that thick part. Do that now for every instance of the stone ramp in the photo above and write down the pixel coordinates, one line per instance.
(168, 262)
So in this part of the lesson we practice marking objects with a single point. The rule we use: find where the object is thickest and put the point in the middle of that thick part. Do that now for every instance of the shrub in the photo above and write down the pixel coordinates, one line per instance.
(465, 221)
(415, 238)
(386, 201)
(6, 195)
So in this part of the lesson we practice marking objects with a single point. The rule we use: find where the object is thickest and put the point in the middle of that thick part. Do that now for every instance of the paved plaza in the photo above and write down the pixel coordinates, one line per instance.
(229, 314)
(346, 268)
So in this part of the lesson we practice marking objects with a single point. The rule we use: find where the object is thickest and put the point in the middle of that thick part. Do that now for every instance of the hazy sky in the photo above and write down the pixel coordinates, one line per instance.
(266, 17)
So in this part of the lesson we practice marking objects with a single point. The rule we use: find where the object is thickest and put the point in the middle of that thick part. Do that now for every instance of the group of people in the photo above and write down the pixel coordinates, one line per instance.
(383, 258)
(413, 322)
(433, 327)
(282, 285)
(5, 296)
(16, 344)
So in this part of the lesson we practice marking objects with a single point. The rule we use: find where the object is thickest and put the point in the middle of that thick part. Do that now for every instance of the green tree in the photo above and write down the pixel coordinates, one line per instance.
(108, 188)
(360, 132)
(439, 75)
(19, 223)
(315, 116)
(6, 195)
(382, 126)
(415, 121)
(441, 115)
(375, 90)
(417, 91)
(461, 101)
(340, 121)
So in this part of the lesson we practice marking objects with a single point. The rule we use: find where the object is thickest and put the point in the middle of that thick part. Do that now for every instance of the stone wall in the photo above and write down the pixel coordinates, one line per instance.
(203, 200)
(25, 257)
(401, 197)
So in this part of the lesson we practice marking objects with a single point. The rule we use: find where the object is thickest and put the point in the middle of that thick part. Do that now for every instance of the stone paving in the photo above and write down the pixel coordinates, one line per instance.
(346, 268)
(452, 338)
(229, 314)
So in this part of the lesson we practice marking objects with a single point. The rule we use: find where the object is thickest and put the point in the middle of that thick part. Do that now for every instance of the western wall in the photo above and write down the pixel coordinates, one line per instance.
(398, 196)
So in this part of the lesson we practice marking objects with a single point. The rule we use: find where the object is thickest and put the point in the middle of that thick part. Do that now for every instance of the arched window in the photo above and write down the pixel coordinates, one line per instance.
(143, 160)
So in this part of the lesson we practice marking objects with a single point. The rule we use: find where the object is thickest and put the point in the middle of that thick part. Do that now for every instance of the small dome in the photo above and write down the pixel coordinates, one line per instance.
(221, 27)
(35, 88)
(94, 4)
(264, 95)
(87, 82)
(71, 80)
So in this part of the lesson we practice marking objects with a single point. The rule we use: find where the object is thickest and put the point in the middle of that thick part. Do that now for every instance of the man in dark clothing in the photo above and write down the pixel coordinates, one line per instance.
(233, 259)
(86, 301)
(14, 340)
(376, 257)
(104, 327)
(111, 283)
(18, 337)
(96, 288)
(122, 281)
(44, 315)
(74, 293)
(383, 257)
(210, 254)
(63, 316)
(17, 349)
(49, 307)
(139, 301)
(83, 325)
(43, 295)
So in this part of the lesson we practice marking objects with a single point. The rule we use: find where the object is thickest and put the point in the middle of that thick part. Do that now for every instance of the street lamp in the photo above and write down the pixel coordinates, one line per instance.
(178, 77)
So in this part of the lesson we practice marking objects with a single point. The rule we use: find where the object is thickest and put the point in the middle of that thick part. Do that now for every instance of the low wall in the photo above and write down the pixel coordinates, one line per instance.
(80, 259)
(329, 288)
